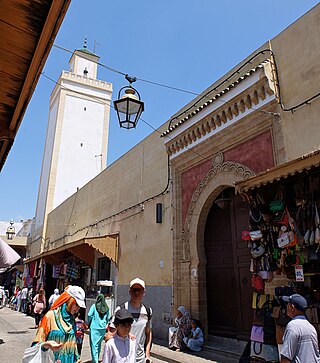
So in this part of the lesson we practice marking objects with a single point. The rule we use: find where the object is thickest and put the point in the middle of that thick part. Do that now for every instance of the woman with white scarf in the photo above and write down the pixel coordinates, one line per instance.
(181, 330)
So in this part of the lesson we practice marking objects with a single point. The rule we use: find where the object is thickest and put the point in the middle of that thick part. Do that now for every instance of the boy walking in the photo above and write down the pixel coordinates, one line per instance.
(121, 348)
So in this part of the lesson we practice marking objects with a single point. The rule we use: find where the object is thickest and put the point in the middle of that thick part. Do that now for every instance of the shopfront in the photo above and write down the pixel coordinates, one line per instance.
(80, 263)
(283, 239)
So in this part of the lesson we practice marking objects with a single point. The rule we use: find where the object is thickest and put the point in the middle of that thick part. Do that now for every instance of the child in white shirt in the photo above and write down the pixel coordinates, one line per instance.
(120, 348)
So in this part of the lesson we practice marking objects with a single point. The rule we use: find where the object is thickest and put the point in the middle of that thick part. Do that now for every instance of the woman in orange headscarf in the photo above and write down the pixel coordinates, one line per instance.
(57, 329)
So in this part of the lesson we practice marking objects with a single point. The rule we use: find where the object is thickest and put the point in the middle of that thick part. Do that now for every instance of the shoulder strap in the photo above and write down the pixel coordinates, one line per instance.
(148, 311)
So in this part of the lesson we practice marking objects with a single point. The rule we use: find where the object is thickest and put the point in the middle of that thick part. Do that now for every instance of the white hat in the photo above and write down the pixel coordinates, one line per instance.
(78, 293)
(138, 281)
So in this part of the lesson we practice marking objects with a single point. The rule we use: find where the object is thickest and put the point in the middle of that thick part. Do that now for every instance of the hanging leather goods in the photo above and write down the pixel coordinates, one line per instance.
(257, 251)
(245, 236)
(312, 237)
(317, 224)
(255, 235)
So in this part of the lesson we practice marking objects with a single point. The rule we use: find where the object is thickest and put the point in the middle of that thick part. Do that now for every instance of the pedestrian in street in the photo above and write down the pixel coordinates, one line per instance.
(18, 299)
(30, 302)
(59, 325)
(121, 348)
(39, 305)
(2, 296)
(142, 320)
(98, 318)
(300, 341)
(24, 297)
(53, 297)
(81, 327)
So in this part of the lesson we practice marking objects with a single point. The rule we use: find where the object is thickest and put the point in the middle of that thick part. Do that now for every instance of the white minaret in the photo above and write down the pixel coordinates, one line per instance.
(77, 134)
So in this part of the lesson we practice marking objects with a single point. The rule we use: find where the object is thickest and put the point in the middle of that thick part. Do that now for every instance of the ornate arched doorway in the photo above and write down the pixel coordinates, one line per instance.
(222, 175)
(228, 279)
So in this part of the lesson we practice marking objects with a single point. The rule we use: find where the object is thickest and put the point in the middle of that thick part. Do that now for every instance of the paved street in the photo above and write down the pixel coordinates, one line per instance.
(17, 333)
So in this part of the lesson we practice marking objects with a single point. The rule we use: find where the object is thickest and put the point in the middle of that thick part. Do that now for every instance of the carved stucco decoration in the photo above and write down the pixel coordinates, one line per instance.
(218, 166)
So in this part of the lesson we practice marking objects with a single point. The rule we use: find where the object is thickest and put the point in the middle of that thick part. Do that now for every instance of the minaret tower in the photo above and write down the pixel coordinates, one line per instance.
(77, 134)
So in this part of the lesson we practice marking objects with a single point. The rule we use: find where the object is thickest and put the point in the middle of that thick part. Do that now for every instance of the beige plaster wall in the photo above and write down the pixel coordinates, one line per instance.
(101, 207)
(297, 54)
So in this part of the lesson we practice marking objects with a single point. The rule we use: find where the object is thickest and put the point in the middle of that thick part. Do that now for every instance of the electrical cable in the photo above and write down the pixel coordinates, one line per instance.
(291, 109)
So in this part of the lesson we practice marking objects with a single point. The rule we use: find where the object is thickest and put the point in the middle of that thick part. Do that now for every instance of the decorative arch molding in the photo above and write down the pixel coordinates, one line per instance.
(223, 173)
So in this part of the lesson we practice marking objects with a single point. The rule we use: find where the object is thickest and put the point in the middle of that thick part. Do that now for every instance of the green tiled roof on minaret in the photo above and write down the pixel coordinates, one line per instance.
(85, 49)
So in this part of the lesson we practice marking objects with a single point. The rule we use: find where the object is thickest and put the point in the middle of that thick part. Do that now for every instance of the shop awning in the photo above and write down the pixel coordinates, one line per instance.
(305, 162)
(8, 256)
(84, 249)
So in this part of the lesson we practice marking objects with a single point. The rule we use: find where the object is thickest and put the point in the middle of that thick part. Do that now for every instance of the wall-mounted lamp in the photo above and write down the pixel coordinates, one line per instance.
(129, 107)
(10, 231)
(222, 202)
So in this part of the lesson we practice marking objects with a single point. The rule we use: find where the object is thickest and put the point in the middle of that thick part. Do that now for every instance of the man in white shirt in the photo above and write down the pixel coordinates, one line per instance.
(24, 296)
(142, 315)
(300, 340)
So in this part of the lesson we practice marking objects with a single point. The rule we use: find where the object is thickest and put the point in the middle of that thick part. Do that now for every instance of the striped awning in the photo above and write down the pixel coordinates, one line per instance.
(84, 249)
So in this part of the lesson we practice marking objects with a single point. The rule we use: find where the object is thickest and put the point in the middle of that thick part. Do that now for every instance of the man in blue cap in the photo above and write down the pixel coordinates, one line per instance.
(300, 341)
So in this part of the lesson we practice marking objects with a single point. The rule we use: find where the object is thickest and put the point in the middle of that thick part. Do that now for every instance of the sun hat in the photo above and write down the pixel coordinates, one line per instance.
(78, 293)
(297, 300)
(122, 315)
(137, 281)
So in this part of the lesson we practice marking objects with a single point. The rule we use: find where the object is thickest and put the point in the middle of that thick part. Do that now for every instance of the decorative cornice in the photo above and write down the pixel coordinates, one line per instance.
(218, 166)
(222, 116)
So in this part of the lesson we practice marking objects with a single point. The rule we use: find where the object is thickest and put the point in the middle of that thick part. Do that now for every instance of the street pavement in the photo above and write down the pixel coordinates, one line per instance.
(17, 333)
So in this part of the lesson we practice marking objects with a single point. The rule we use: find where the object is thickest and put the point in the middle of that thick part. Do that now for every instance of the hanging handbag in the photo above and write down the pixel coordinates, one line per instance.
(276, 205)
(264, 352)
(255, 235)
(257, 334)
(312, 237)
(258, 300)
(317, 224)
(257, 251)
(283, 240)
(245, 236)
(257, 283)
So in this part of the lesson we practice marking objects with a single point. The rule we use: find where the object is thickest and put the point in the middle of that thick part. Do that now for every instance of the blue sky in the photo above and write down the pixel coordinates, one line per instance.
(186, 44)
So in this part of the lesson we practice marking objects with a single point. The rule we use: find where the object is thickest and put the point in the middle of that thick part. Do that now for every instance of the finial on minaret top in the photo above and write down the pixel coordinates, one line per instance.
(85, 42)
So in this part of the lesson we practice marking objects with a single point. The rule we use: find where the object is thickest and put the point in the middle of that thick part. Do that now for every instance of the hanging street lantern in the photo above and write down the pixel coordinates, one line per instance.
(10, 231)
(129, 107)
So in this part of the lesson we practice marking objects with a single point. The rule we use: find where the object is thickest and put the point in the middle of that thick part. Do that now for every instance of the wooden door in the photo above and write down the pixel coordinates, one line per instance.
(228, 276)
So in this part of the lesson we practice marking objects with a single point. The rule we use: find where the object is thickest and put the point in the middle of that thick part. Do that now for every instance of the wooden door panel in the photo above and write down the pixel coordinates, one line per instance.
(228, 275)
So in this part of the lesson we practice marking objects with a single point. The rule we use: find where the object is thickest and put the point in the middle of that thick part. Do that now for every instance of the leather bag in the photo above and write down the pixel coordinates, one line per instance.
(255, 235)
(257, 251)
(245, 236)
(284, 240)
(276, 205)
(257, 334)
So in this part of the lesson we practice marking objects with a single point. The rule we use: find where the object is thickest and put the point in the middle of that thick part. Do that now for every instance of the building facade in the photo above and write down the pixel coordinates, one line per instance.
(252, 120)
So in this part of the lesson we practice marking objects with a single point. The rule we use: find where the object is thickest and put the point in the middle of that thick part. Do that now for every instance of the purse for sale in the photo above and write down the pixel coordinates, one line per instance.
(245, 236)
(257, 334)
(257, 251)
(255, 235)
(260, 352)
(258, 300)
(283, 240)
(257, 283)
(276, 205)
